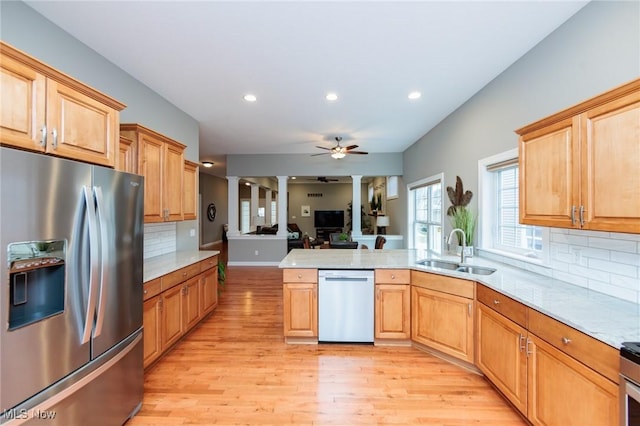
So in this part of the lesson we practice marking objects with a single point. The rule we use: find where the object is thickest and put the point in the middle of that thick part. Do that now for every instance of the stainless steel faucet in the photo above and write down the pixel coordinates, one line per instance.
(464, 242)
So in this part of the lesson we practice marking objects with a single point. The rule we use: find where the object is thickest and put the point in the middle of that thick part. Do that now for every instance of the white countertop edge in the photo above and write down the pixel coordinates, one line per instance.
(158, 266)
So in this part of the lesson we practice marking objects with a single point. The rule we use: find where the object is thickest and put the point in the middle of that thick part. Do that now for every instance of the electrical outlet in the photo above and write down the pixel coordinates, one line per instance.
(257, 252)
(192, 232)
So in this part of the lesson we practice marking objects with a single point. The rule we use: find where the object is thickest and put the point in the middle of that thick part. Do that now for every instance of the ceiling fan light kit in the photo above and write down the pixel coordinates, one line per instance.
(339, 151)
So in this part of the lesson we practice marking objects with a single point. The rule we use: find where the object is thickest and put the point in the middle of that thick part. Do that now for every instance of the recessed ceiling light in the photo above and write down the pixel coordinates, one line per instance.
(414, 95)
(331, 97)
(293, 177)
(249, 97)
(247, 183)
(207, 164)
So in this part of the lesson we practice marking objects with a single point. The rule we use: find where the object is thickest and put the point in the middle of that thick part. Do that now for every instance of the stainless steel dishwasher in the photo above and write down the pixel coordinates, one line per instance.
(345, 305)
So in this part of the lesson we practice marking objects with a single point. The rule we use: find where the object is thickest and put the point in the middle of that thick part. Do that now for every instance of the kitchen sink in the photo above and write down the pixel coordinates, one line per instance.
(442, 264)
(453, 266)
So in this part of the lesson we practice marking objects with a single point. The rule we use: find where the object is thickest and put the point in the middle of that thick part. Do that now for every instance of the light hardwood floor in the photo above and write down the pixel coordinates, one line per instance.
(235, 369)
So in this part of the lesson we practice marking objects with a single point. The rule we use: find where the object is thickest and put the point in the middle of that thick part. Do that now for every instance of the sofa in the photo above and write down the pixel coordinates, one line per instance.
(294, 235)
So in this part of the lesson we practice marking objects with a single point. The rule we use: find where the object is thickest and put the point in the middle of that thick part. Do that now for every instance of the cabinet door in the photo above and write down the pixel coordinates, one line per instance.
(80, 127)
(442, 321)
(562, 391)
(208, 291)
(393, 311)
(300, 310)
(173, 175)
(549, 179)
(22, 106)
(191, 300)
(150, 158)
(501, 355)
(126, 156)
(610, 164)
(152, 322)
(191, 190)
(172, 323)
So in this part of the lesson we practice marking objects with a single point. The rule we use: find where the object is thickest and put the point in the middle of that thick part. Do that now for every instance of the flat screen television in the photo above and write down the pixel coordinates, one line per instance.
(328, 218)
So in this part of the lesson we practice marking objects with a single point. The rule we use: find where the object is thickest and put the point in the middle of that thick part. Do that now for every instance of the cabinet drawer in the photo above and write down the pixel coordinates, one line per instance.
(393, 276)
(599, 356)
(179, 276)
(208, 263)
(450, 285)
(300, 275)
(151, 288)
(508, 307)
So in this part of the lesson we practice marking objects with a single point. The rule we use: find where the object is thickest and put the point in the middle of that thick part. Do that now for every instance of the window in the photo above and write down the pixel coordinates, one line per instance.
(245, 216)
(425, 214)
(274, 212)
(501, 230)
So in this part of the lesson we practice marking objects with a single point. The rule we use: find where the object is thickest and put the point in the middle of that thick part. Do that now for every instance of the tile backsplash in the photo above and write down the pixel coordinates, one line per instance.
(607, 262)
(159, 238)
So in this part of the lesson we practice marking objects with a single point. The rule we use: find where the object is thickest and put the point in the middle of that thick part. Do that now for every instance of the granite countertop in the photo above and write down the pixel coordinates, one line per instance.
(158, 266)
(606, 318)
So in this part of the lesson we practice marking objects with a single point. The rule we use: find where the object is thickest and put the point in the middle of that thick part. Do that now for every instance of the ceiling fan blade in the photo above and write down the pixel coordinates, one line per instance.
(322, 147)
(357, 152)
(350, 147)
(322, 153)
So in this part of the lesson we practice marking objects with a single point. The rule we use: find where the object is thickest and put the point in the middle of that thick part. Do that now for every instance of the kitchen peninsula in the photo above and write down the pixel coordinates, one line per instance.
(545, 344)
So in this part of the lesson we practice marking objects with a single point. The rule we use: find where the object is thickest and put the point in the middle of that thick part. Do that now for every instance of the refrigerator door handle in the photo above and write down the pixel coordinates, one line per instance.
(93, 259)
(104, 261)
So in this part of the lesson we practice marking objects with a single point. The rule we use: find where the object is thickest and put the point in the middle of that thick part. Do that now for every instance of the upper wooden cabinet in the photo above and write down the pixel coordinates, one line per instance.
(126, 161)
(578, 168)
(47, 111)
(161, 162)
(190, 191)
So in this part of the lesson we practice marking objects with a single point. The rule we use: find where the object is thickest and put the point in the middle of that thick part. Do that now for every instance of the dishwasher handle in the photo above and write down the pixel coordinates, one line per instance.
(343, 279)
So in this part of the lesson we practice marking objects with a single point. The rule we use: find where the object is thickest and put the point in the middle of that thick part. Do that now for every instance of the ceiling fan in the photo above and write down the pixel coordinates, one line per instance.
(338, 151)
(324, 179)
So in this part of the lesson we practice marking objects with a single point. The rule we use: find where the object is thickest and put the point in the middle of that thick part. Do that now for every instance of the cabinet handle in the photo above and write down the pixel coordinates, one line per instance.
(54, 133)
(566, 340)
(573, 215)
(496, 302)
(469, 308)
(393, 277)
(522, 342)
(184, 274)
(145, 291)
(529, 352)
(581, 215)
(43, 139)
(299, 276)
(161, 303)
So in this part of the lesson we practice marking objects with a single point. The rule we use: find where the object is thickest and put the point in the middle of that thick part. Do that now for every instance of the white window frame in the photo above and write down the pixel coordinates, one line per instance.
(245, 216)
(487, 212)
(411, 207)
(274, 212)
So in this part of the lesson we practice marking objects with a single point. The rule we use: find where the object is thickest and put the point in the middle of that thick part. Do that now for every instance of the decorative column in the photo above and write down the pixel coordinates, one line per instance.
(356, 225)
(282, 206)
(233, 201)
(267, 207)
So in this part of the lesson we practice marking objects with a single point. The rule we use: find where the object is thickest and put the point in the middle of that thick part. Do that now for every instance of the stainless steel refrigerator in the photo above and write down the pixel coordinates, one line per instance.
(71, 238)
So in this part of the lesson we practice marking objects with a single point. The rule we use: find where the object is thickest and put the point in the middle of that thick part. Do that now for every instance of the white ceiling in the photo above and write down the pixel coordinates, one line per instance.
(204, 56)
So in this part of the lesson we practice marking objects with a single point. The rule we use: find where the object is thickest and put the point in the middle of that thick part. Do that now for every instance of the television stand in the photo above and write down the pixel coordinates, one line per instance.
(325, 232)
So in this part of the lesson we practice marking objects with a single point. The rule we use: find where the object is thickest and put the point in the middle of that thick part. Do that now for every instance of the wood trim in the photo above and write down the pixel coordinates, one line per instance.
(16, 54)
(608, 96)
(139, 128)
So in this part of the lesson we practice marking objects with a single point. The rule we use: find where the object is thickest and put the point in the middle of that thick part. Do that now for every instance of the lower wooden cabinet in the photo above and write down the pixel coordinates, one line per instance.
(543, 382)
(170, 313)
(191, 303)
(442, 314)
(393, 311)
(300, 309)
(208, 291)
(501, 355)
(172, 316)
(563, 391)
(152, 339)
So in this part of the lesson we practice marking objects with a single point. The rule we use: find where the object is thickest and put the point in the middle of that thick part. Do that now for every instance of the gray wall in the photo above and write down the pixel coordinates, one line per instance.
(596, 50)
(27, 30)
(213, 190)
